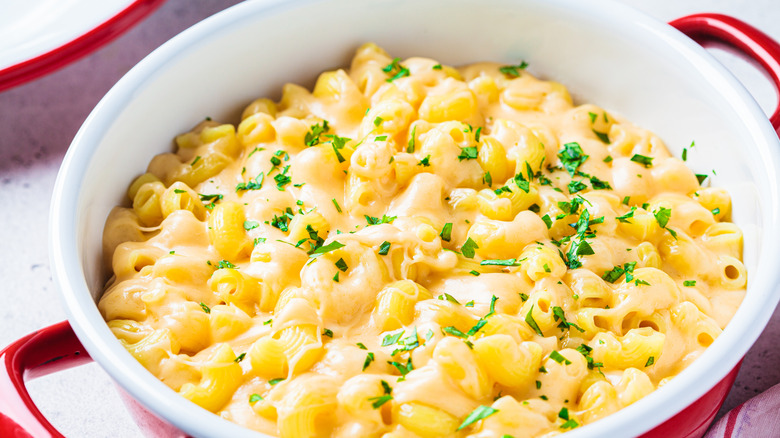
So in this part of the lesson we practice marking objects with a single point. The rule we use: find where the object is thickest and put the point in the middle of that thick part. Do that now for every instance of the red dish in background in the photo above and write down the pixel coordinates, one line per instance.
(39, 64)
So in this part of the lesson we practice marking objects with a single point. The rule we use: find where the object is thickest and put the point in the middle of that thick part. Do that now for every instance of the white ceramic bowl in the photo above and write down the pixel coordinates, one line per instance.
(605, 53)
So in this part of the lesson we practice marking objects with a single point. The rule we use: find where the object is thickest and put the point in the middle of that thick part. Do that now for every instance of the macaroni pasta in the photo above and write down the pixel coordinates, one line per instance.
(417, 250)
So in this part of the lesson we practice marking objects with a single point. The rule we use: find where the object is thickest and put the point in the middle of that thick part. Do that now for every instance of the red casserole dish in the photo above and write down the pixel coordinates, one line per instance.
(60, 346)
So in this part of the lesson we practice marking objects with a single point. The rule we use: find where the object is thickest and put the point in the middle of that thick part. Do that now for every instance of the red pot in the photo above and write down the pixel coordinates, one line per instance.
(57, 347)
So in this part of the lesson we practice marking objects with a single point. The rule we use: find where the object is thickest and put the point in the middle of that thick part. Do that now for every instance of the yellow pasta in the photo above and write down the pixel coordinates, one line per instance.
(221, 375)
(226, 231)
(411, 249)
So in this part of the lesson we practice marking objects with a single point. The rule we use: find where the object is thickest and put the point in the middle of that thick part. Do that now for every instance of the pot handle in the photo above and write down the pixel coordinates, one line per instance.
(43, 352)
(746, 39)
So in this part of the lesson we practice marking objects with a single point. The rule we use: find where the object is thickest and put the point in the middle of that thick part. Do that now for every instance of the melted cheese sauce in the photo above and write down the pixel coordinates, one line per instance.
(413, 250)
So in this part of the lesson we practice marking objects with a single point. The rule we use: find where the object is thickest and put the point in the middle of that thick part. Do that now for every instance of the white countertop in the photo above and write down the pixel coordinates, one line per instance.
(39, 119)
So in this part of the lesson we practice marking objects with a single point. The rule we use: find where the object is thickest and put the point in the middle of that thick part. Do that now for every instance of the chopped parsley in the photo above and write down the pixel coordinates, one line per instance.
(205, 308)
(254, 398)
(576, 186)
(449, 298)
(624, 218)
(547, 221)
(446, 232)
(410, 146)
(371, 220)
(223, 264)
(474, 273)
(558, 357)
(436, 67)
(377, 402)
(558, 315)
(332, 246)
(369, 359)
(492, 311)
(395, 70)
(689, 283)
(282, 179)
(480, 413)
(643, 160)
(570, 424)
(529, 319)
(599, 184)
(572, 157)
(403, 369)
(602, 136)
(252, 184)
(209, 200)
(273, 382)
(342, 265)
(451, 330)
(392, 339)
(425, 162)
(313, 137)
(468, 153)
(513, 71)
(282, 222)
(662, 216)
(650, 361)
(500, 262)
(250, 225)
(239, 358)
(468, 248)
(616, 272)
(336, 204)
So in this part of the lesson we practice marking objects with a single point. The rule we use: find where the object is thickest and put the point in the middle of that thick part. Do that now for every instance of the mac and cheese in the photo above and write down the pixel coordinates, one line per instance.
(417, 250)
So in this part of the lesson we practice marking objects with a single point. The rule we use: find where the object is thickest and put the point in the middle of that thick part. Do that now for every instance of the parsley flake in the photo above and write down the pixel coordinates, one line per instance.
(558, 357)
(513, 71)
(312, 138)
(377, 402)
(480, 413)
(396, 70)
(468, 248)
(572, 157)
(446, 232)
(643, 160)
(326, 248)
(468, 153)
(529, 319)
(369, 359)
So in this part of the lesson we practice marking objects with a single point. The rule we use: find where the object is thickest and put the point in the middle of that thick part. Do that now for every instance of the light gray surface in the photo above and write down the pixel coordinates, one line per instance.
(38, 120)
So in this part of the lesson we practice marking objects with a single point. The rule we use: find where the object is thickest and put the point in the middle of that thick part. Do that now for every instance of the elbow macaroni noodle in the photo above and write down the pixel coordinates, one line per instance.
(417, 250)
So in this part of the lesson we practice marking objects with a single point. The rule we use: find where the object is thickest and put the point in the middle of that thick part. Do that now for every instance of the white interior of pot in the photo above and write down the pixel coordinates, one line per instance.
(603, 52)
